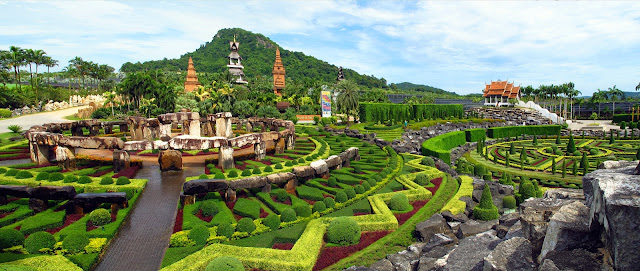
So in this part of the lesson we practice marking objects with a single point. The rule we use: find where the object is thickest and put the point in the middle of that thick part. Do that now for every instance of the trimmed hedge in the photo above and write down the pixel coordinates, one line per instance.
(199, 234)
(310, 193)
(343, 231)
(440, 146)
(100, 217)
(246, 225)
(247, 208)
(379, 112)
(75, 243)
(515, 131)
(42, 221)
(39, 240)
(225, 263)
(475, 135)
(617, 118)
(10, 238)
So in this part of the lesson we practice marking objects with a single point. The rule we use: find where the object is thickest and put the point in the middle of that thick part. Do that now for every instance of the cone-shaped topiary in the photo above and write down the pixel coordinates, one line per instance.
(485, 210)
(535, 140)
(571, 146)
(523, 154)
(584, 163)
(512, 149)
(553, 165)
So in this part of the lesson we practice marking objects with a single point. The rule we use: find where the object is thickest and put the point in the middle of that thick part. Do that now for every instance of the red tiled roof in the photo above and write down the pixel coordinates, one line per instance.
(501, 88)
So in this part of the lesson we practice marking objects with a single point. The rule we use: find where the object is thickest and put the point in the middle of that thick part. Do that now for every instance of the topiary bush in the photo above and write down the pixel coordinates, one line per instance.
(485, 210)
(57, 176)
(303, 210)
(246, 172)
(225, 229)
(332, 181)
(366, 186)
(11, 172)
(509, 202)
(246, 225)
(70, 179)
(3, 170)
(288, 164)
(351, 193)
(288, 215)
(100, 217)
(10, 238)
(267, 169)
(281, 195)
(329, 202)
(399, 202)
(478, 170)
(277, 166)
(122, 180)
(219, 175)
(199, 234)
(39, 240)
(272, 221)
(428, 161)
(203, 176)
(341, 196)
(75, 242)
(343, 231)
(301, 161)
(319, 207)
(421, 179)
(23, 174)
(42, 176)
(84, 180)
(225, 263)
(106, 180)
(359, 189)
(233, 173)
(209, 208)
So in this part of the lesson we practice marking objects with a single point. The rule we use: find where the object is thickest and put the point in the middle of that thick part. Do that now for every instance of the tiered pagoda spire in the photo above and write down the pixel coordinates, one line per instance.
(192, 79)
(278, 74)
(340, 75)
(235, 65)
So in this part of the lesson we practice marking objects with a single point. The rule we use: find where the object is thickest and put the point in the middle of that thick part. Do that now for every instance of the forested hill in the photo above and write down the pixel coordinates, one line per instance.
(258, 53)
(421, 88)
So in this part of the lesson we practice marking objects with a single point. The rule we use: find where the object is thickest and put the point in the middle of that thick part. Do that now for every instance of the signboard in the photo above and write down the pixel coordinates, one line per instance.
(325, 102)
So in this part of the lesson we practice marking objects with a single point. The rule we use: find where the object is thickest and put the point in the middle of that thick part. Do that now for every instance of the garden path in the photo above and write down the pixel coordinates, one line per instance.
(144, 235)
(29, 120)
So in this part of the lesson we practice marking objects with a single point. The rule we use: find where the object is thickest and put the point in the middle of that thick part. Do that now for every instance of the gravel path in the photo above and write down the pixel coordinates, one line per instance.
(27, 121)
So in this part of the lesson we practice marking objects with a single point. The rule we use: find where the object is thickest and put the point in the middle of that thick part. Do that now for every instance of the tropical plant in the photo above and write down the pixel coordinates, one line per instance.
(347, 100)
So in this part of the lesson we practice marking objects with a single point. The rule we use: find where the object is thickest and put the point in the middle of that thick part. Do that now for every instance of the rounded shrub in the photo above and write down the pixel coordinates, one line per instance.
(219, 175)
(3, 170)
(84, 180)
(268, 169)
(106, 180)
(246, 172)
(75, 242)
(42, 176)
(39, 240)
(371, 181)
(329, 202)
(10, 238)
(100, 217)
(309, 158)
(428, 161)
(272, 221)
(288, 215)
(478, 170)
(303, 210)
(209, 208)
(257, 171)
(421, 179)
(366, 186)
(509, 202)
(319, 206)
(351, 193)
(357, 169)
(199, 234)
(277, 166)
(246, 225)
(232, 173)
(370, 160)
(359, 189)
(56, 176)
(293, 162)
(343, 231)
(301, 161)
(225, 263)
(70, 179)
(399, 202)
(122, 180)
(288, 163)
(341, 196)
(203, 176)
(23, 174)
(11, 172)
(332, 181)
(281, 195)
(225, 229)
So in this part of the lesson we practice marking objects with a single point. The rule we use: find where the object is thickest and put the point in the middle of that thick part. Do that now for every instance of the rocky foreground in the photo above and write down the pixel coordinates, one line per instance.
(592, 229)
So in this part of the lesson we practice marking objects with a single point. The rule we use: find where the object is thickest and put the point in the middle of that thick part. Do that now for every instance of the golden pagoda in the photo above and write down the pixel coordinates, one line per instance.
(192, 79)
(278, 74)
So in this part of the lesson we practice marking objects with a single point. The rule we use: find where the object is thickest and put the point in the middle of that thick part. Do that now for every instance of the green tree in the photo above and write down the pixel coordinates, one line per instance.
(613, 94)
(564, 168)
(523, 154)
(571, 146)
(485, 210)
(512, 149)
(347, 100)
(17, 60)
(553, 165)
(574, 170)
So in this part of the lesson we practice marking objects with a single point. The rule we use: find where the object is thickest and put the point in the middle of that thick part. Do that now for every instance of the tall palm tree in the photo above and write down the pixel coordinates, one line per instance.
(38, 58)
(613, 94)
(50, 63)
(17, 59)
(572, 94)
(347, 98)
(80, 66)
(598, 97)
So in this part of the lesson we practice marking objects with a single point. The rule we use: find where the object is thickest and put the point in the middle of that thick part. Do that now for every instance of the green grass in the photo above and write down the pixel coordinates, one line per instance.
(175, 254)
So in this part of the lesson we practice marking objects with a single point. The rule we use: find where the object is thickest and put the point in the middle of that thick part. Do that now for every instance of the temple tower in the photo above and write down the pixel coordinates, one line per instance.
(192, 79)
(235, 65)
(278, 74)
(340, 75)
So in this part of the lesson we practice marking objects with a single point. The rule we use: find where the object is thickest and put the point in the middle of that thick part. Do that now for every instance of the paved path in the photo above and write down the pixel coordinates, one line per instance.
(27, 121)
(144, 236)
(606, 124)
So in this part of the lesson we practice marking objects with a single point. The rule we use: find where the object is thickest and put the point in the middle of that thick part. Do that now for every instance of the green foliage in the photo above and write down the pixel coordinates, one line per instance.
(341, 196)
(359, 189)
(278, 166)
(233, 173)
(272, 221)
(122, 180)
(84, 180)
(257, 171)
(14, 128)
(621, 118)
(39, 240)
(475, 135)
(526, 190)
(509, 202)
(56, 176)
(343, 231)
(333, 182)
(219, 175)
(319, 206)
(247, 208)
(100, 217)
(351, 193)
(246, 172)
(303, 210)
(225, 229)
(310, 193)
(329, 202)
(478, 170)
(75, 242)
(380, 112)
(23, 174)
(512, 149)
(485, 210)
(399, 202)
(288, 215)
(427, 161)
(199, 234)
(42, 176)
(106, 180)
(209, 208)
(281, 195)
(440, 146)
(246, 225)
(5, 113)
(10, 238)
(225, 263)
(70, 179)
(515, 131)
(267, 169)
(623, 125)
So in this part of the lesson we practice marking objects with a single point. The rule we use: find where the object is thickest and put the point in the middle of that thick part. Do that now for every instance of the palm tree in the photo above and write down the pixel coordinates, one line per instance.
(80, 66)
(572, 94)
(347, 98)
(103, 73)
(638, 87)
(38, 57)
(111, 99)
(597, 97)
(17, 59)
(613, 94)
(50, 63)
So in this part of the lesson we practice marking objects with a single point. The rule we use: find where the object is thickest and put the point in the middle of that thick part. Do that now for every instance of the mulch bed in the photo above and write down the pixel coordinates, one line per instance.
(100, 173)
(436, 185)
(178, 224)
(538, 162)
(67, 221)
(331, 255)
(129, 172)
(282, 246)
(6, 214)
(202, 217)
(405, 216)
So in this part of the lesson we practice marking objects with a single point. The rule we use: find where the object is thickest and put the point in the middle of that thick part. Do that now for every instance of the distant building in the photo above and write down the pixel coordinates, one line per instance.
(278, 74)
(235, 65)
(498, 93)
(340, 75)
(192, 79)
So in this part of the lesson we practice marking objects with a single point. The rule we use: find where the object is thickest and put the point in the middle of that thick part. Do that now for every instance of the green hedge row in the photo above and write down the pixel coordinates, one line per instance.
(515, 131)
(247, 208)
(378, 112)
(475, 135)
(617, 118)
(440, 146)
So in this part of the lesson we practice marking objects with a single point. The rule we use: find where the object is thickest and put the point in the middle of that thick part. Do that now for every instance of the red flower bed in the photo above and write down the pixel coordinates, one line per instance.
(536, 163)
(282, 246)
(331, 255)
(178, 224)
(5, 214)
(129, 172)
(405, 216)
(436, 185)
(67, 221)
(19, 156)
(99, 173)
(202, 217)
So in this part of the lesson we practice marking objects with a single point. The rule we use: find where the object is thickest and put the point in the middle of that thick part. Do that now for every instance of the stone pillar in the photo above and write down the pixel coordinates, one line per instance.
(260, 150)
(187, 199)
(346, 163)
(291, 142)
(77, 131)
(291, 186)
(65, 158)
(194, 127)
(266, 188)
(39, 153)
(279, 145)
(225, 157)
(165, 130)
(123, 128)
(230, 195)
(94, 130)
(223, 127)
(146, 133)
(121, 160)
(249, 127)
(185, 127)
(170, 160)
(108, 129)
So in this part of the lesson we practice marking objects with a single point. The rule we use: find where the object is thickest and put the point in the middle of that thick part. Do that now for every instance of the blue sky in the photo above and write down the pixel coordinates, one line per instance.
(454, 45)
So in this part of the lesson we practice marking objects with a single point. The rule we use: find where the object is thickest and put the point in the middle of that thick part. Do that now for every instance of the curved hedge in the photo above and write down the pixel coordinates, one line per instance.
(475, 135)
(440, 146)
(515, 131)
(378, 112)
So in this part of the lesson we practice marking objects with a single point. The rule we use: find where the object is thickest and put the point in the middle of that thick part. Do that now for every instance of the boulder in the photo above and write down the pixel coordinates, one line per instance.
(304, 172)
(358, 268)
(469, 204)
(53, 192)
(281, 177)
(402, 261)
(569, 229)
(170, 160)
(473, 227)
(578, 259)
(121, 160)
(382, 265)
(513, 254)
(612, 197)
(97, 198)
(320, 167)
(18, 191)
(535, 214)
(617, 164)
(564, 193)
(449, 217)
(509, 219)
(333, 161)
(548, 265)
(249, 182)
(438, 240)
(435, 224)
(470, 253)
(204, 185)
(514, 231)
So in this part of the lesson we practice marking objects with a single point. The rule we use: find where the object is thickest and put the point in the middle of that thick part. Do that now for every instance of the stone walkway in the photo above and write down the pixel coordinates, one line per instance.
(144, 236)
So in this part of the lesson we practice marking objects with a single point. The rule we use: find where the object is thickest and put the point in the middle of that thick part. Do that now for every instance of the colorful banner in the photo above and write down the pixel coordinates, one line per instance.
(325, 102)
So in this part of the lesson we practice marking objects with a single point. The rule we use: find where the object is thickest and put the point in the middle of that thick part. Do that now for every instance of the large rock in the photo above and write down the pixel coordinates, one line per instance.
(470, 253)
(204, 185)
(564, 193)
(53, 192)
(404, 260)
(435, 224)
(617, 164)
(535, 214)
(382, 265)
(96, 198)
(511, 255)
(514, 231)
(170, 160)
(19, 191)
(614, 203)
(473, 227)
(320, 167)
(249, 182)
(569, 229)
(578, 259)
(304, 172)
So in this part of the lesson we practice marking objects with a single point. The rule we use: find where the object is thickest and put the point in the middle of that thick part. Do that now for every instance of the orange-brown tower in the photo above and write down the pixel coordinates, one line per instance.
(192, 79)
(278, 74)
